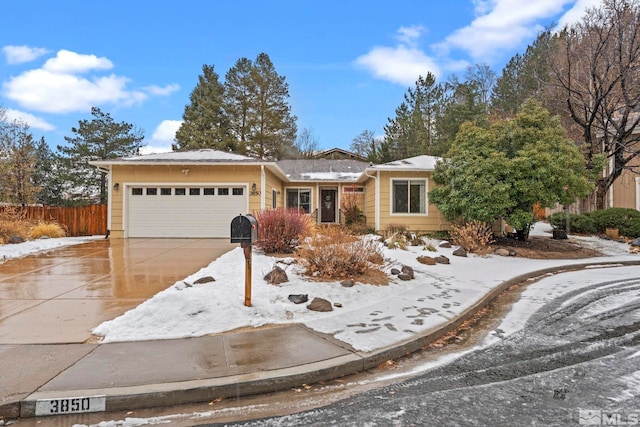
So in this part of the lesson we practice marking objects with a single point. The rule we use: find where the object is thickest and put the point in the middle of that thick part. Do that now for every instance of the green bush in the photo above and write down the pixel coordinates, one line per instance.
(627, 221)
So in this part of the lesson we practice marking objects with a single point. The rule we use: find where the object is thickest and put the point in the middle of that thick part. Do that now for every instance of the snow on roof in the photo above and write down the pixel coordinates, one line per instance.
(427, 163)
(322, 169)
(204, 155)
(331, 176)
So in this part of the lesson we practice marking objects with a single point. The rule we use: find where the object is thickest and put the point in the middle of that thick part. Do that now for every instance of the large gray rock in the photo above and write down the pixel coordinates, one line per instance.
(635, 242)
(441, 259)
(276, 276)
(205, 279)
(298, 298)
(407, 270)
(404, 276)
(320, 304)
(460, 252)
(347, 283)
(445, 244)
(14, 240)
(427, 260)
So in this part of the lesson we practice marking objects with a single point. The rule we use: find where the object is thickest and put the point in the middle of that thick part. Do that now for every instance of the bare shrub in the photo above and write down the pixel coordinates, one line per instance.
(472, 235)
(353, 215)
(13, 222)
(48, 229)
(281, 230)
(334, 254)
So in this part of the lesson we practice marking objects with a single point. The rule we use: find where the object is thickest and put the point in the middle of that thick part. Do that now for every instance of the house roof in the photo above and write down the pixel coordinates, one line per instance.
(417, 163)
(326, 170)
(338, 153)
(181, 157)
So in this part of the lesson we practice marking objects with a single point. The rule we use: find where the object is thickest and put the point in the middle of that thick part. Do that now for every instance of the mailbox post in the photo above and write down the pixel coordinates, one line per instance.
(244, 230)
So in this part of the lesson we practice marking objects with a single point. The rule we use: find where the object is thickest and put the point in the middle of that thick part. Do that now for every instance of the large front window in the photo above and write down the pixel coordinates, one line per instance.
(299, 198)
(409, 196)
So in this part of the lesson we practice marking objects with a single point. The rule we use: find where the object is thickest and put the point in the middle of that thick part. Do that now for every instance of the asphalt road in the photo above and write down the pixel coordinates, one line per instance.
(575, 361)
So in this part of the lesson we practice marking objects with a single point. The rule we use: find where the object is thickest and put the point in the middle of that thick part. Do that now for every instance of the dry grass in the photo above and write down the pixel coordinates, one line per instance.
(13, 223)
(48, 229)
(334, 254)
(474, 236)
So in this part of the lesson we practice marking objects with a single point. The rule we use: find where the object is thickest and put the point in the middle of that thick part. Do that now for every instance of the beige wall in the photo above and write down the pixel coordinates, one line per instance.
(625, 188)
(431, 221)
(127, 175)
(273, 183)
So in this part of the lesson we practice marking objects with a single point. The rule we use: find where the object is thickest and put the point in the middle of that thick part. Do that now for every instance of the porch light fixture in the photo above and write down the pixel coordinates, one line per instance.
(116, 186)
(254, 190)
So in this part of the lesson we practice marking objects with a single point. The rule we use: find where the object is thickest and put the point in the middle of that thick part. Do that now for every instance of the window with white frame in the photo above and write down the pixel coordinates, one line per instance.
(299, 198)
(409, 196)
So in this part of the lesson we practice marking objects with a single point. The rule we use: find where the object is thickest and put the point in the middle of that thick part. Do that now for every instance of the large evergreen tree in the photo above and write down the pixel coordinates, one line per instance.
(99, 139)
(412, 131)
(239, 89)
(272, 126)
(502, 171)
(47, 176)
(205, 123)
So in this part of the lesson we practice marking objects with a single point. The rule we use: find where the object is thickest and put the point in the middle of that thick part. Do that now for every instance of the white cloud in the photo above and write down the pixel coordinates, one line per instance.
(401, 64)
(158, 90)
(576, 13)
(21, 54)
(43, 90)
(410, 35)
(162, 137)
(33, 121)
(501, 25)
(74, 82)
(69, 62)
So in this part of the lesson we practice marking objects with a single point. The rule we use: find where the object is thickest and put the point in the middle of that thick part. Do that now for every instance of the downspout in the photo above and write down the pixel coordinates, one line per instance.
(376, 199)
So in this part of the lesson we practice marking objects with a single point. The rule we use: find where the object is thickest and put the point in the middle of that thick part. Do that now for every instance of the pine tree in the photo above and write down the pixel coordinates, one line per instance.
(238, 100)
(412, 131)
(47, 176)
(272, 126)
(98, 139)
(205, 122)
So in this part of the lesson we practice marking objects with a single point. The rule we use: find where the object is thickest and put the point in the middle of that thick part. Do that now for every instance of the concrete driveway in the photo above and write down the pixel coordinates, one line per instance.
(59, 296)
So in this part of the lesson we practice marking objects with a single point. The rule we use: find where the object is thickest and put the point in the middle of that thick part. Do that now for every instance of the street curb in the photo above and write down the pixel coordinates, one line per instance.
(176, 393)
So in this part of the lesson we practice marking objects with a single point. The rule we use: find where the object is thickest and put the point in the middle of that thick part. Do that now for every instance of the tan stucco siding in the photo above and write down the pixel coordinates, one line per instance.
(431, 220)
(127, 176)
(273, 184)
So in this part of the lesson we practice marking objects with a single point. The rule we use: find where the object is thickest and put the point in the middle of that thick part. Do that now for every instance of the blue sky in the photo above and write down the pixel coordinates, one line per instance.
(348, 63)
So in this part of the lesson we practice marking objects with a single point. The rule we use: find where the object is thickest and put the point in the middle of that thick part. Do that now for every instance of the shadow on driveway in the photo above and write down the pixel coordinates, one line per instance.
(59, 296)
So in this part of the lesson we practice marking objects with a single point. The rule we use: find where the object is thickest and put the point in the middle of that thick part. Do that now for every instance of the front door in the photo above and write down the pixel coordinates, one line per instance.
(328, 205)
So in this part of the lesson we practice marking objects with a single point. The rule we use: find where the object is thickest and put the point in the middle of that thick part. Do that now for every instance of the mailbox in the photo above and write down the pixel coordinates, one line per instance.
(244, 229)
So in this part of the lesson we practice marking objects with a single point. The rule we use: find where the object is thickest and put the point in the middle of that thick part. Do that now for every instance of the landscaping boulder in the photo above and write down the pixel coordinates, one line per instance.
(445, 244)
(298, 298)
(347, 283)
(559, 234)
(395, 271)
(427, 260)
(337, 304)
(276, 276)
(320, 304)
(14, 240)
(205, 279)
(404, 276)
(501, 252)
(460, 252)
(407, 270)
(442, 259)
(635, 242)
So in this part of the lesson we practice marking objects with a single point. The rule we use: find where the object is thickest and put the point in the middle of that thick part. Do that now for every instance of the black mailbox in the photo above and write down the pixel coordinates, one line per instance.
(244, 229)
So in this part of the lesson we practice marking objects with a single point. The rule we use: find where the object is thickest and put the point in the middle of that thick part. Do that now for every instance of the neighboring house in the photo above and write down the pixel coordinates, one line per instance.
(198, 193)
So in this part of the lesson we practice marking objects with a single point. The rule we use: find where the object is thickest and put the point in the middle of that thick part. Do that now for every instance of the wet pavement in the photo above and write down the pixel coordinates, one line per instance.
(59, 296)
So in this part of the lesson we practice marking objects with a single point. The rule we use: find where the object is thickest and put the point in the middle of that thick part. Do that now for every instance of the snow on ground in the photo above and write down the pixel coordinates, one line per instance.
(371, 317)
(41, 245)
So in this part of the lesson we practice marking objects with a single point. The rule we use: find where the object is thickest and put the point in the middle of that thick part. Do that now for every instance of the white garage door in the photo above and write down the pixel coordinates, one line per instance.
(182, 211)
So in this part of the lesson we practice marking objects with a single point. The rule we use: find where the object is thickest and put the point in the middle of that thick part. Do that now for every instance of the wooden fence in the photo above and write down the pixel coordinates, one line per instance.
(79, 221)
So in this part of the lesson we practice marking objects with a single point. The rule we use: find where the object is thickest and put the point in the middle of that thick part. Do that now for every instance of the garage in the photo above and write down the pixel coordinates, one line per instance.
(183, 211)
